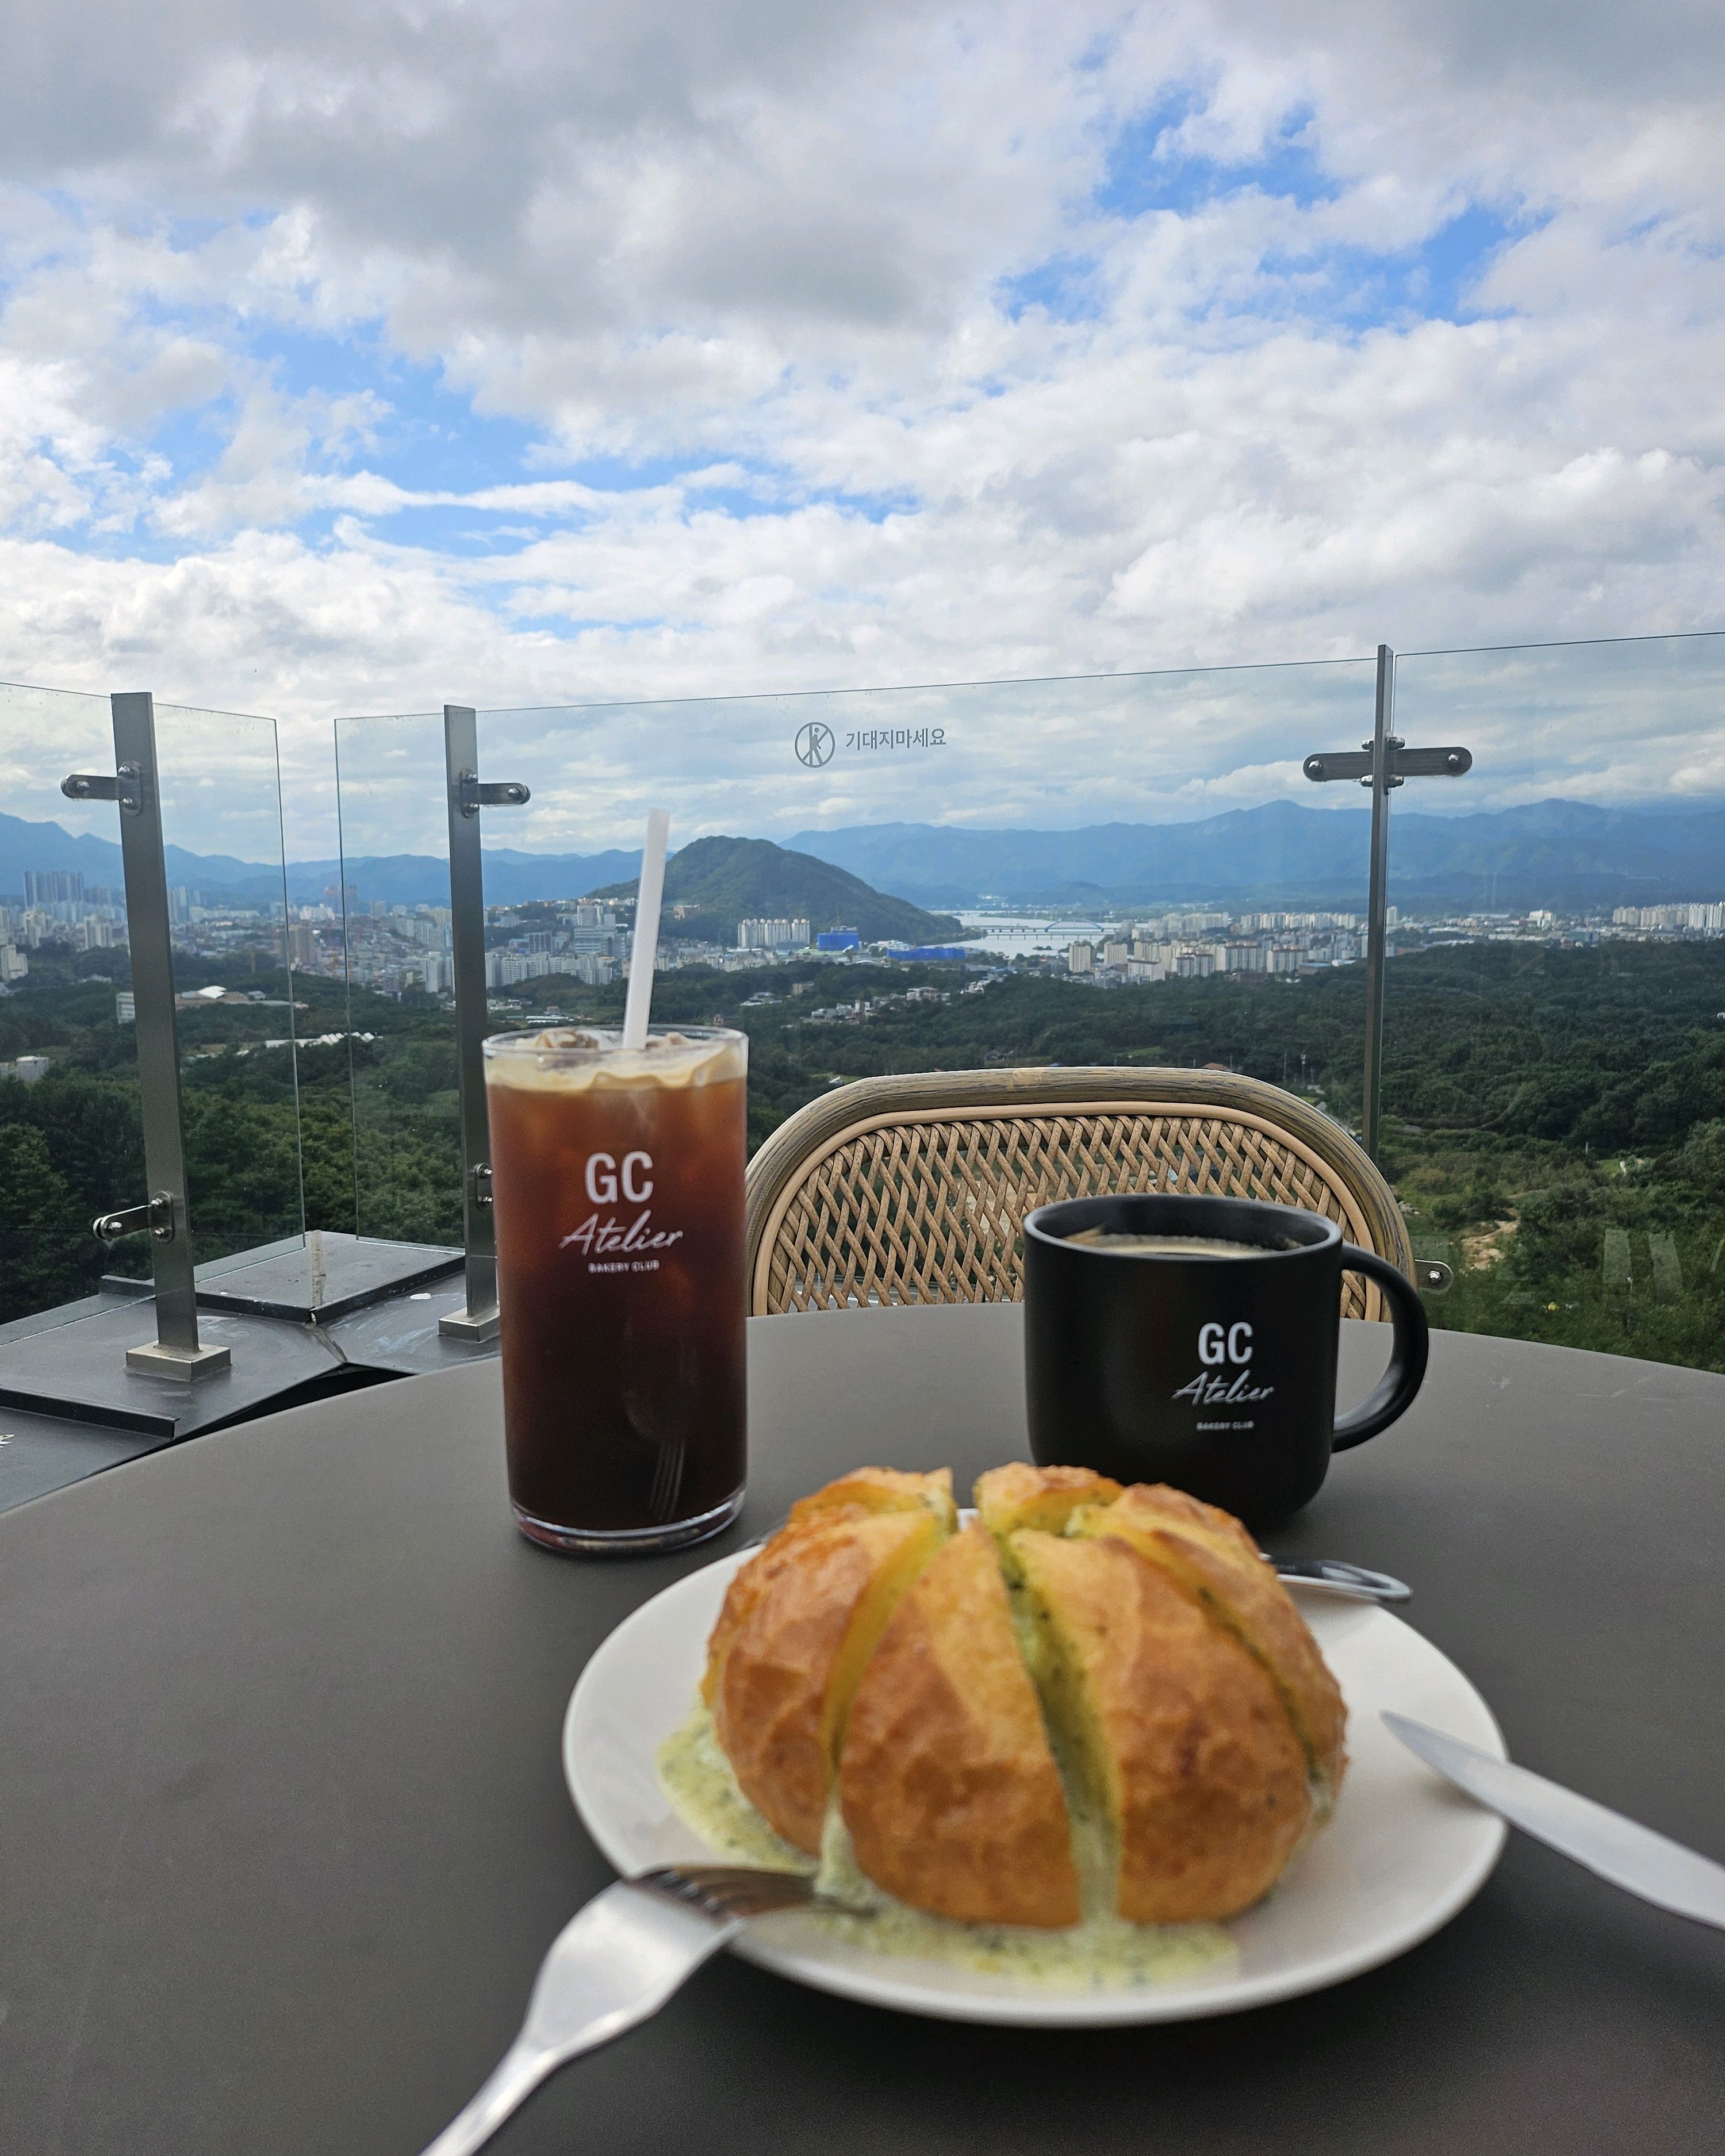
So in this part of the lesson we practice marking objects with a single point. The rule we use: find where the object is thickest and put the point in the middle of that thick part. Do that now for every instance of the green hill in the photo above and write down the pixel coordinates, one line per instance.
(733, 880)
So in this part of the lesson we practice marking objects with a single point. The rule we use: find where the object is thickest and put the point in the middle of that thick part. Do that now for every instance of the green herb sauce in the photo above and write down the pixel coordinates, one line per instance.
(1103, 1953)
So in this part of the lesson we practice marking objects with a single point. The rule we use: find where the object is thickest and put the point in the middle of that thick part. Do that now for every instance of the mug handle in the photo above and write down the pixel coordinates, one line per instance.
(1410, 1350)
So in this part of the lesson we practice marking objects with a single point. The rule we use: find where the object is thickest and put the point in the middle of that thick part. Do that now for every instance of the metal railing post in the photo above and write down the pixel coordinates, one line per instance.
(479, 1320)
(1381, 763)
(175, 1353)
(1382, 779)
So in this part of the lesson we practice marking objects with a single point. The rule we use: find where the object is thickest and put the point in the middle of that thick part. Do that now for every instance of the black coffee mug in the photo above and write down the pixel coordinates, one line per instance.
(1216, 1374)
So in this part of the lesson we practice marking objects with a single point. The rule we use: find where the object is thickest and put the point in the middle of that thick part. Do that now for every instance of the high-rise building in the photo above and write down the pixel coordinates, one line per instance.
(772, 935)
(1081, 958)
(52, 886)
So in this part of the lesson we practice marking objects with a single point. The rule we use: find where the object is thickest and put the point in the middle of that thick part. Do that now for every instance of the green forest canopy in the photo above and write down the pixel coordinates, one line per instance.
(1555, 1118)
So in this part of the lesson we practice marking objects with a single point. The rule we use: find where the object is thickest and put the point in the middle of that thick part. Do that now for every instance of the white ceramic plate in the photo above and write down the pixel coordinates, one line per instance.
(1404, 1853)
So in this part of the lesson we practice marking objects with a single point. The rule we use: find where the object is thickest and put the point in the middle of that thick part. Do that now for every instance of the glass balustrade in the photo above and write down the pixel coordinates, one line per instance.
(400, 1049)
(236, 998)
(71, 1136)
(1128, 868)
(1554, 1043)
(1104, 870)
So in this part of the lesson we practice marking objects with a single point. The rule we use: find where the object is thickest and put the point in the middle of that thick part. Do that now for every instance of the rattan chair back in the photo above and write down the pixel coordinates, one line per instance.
(914, 1189)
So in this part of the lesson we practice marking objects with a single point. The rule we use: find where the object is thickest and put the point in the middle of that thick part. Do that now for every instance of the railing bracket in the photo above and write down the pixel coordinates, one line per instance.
(156, 1214)
(472, 793)
(126, 787)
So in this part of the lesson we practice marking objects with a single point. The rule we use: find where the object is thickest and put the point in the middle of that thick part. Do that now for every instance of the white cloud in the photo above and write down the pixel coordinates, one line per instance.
(786, 258)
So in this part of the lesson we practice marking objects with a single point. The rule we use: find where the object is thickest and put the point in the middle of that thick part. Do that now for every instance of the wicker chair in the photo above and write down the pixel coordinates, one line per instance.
(912, 1189)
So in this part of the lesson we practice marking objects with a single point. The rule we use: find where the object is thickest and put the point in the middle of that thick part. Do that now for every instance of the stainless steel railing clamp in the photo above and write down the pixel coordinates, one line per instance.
(156, 1214)
(472, 793)
(127, 787)
(1401, 763)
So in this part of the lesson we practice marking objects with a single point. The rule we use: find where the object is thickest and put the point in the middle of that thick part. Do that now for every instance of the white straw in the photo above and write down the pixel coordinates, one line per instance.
(644, 950)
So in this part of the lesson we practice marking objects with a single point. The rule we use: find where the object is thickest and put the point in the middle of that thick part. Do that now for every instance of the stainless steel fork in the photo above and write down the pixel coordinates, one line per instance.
(613, 1966)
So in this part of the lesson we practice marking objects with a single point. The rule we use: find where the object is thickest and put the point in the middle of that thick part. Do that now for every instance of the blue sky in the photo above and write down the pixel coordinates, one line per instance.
(352, 359)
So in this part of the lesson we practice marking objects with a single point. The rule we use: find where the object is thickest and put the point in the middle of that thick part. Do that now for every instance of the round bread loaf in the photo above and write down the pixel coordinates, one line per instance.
(1120, 1658)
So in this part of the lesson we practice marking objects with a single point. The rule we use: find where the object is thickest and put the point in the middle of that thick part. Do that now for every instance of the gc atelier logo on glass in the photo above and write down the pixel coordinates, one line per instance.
(814, 744)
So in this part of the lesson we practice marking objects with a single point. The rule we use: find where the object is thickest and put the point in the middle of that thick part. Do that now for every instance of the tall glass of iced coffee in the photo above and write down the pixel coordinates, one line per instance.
(617, 1179)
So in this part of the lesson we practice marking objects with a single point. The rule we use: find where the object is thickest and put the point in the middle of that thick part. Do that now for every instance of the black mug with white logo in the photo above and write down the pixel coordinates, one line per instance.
(1192, 1341)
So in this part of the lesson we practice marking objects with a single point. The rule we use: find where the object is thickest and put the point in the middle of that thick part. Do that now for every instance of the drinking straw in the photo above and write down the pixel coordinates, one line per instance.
(645, 951)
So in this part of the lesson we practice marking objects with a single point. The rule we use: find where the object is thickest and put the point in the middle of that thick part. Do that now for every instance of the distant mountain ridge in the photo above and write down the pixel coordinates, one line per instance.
(512, 877)
(1553, 853)
(1558, 854)
(733, 880)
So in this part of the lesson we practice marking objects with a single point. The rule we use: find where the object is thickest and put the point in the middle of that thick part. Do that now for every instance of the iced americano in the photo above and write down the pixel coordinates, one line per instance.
(617, 1181)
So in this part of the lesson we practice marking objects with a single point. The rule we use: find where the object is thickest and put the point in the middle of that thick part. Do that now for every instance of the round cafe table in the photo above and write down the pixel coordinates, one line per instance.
(283, 1830)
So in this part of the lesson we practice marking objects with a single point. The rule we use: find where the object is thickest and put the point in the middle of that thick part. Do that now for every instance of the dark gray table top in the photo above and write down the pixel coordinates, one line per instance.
(283, 1833)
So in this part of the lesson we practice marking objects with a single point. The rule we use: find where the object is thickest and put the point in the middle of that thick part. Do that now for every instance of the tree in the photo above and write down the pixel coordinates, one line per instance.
(40, 1237)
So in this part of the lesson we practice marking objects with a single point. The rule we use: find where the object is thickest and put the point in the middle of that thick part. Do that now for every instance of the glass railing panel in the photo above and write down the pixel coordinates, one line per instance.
(1554, 1067)
(234, 990)
(393, 907)
(71, 1137)
(1106, 870)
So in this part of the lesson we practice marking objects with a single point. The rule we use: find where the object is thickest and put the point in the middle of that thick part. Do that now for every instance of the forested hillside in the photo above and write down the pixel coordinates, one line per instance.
(1555, 1119)
(725, 881)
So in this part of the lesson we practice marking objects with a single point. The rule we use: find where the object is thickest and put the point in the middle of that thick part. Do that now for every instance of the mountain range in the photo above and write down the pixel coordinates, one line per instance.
(511, 876)
(1565, 854)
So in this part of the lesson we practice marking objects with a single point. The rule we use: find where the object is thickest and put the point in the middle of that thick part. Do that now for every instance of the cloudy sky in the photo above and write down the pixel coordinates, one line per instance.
(355, 357)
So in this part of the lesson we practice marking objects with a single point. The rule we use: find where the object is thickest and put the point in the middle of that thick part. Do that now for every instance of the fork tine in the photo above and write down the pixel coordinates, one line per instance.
(726, 1891)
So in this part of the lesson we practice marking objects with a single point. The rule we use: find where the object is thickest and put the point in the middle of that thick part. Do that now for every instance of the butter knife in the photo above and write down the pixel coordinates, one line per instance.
(1634, 1857)
(1331, 1574)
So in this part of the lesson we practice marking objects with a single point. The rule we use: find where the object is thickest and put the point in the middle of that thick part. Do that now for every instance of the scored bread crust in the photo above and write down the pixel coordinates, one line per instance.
(885, 1490)
(865, 1650)
(1178, 1730)
(1021, 1495)
(1211, 1558)
(946, 1781)
(866, 1489)
(798, 1625)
